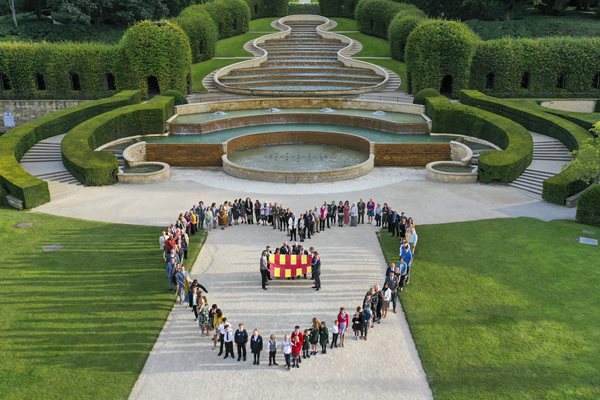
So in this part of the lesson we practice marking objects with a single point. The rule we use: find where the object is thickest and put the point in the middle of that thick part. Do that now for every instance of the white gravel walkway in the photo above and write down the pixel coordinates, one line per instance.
(183, 365)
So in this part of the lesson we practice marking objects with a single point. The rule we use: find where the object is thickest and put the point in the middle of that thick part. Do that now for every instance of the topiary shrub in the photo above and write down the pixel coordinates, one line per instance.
(17, 141)
(231, 16)
(268, 8)
(179, 97)
(338, 8)
(158, 56)
(201, 30)
(96, 168)
(537, 67)
(439, 55)
(400, 27)
(588, 206)
(423, 94)
(374, 16)
(493, 166)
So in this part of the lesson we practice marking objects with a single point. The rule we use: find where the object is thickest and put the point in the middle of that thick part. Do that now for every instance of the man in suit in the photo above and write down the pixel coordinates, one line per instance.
(361, 211)
(285, 249)
(293, 226)
(316, 268)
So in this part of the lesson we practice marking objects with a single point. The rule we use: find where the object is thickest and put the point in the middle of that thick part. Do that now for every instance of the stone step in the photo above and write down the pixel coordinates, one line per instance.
(528, 188)
(304, 68)
(279, 76)
(302, 82)
(535, 172)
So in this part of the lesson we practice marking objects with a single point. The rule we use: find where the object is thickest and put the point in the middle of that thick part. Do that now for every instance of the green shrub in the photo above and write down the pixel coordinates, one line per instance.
(597, 108)
(179, 97)
(400, 27)
(313, 8)
(158, 56)
(423, 94)
(565, 66)
(16, 142)
(29, 65)
(588, 207)
(231, 16)
(338, 8)
(566, 183)
(493, 166)
(201, 30)
(374, 16)
(439, 55)
(96, 168)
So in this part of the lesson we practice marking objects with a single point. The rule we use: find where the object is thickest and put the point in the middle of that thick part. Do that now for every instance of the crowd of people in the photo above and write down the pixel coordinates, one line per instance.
(318, 336)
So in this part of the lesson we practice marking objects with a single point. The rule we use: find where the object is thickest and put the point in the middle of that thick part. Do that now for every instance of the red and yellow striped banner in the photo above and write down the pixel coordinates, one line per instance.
(289, 265)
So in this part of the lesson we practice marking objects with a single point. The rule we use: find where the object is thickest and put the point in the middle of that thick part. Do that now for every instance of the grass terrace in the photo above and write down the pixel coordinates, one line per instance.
(78, 323)
(505, 309)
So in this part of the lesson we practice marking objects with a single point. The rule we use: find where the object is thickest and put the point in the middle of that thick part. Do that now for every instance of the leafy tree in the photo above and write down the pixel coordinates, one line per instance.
(551, 7)
(494, 8)
(13, 11)
(107, 11)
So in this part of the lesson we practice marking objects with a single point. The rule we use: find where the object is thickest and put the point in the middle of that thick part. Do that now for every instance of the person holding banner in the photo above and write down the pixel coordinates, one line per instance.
(264, 269)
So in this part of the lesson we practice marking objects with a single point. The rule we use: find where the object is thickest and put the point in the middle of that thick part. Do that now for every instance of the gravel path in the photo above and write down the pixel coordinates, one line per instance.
(183, 365)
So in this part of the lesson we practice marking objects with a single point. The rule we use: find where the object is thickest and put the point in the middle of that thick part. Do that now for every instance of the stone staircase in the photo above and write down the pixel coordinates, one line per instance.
(44, 161)
(302, 61)
(549, 157)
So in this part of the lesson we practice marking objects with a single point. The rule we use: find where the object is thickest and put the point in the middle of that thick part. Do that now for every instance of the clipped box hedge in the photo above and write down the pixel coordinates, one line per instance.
(400, 28)
(15, 143)
(566, 183)
(201, 30)
(231, 16)
(588, 206)
(268, 8)
(96, 168)
(494, 166)
(374, 16)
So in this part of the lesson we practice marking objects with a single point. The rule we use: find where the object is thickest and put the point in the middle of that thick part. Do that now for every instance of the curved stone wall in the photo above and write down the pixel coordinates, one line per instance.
(322, 30)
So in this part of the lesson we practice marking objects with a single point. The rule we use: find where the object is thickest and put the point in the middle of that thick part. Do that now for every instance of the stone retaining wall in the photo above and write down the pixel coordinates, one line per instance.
(186, 154)
(27, 110)
(410, 154)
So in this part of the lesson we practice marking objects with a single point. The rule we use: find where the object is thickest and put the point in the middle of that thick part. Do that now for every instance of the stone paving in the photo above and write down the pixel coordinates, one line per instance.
(183, 364)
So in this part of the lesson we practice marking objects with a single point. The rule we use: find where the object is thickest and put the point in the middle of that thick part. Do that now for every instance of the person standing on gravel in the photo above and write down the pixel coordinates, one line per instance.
(264, 269)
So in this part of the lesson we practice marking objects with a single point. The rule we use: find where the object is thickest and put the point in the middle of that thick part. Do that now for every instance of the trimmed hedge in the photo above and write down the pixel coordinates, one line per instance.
(400, 27)
(179, 97)
(96, 168)
(439, 55)
(374, 16)
(201, 31)
(588, 207)
(597, 109)
(559, 66)
(16, 142)
(559, 187)
(231, 16)
(422, 95)
(268, 8)
(159, 50)
(338, 8)
(45, 70)
(494, 166)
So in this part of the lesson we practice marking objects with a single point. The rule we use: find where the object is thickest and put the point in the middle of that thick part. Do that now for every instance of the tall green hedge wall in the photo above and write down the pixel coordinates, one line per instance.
(494, 166)
(588, 207)
(96, 168)
(268, 8)
(374, 16)
(437, 52)
(231, 16)
(560, 66)
(157, 49)
(16, 142)
(201, 30)
(400, 27)
(338, 8)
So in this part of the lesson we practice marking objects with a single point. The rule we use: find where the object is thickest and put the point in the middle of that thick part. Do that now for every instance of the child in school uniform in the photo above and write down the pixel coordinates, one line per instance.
(306, 344)
(323, 337)
(286, 349)
(297, 340)
(272, 350)
(256, 345)
(334, 334)
(357, 323)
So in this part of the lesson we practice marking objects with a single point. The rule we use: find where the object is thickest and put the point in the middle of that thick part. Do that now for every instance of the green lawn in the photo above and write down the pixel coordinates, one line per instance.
(201, 69)
(345, 24)
(505, 309)
(262, 25)
(537, 25)
(372, 46)
(234, 46)
(78, 323)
